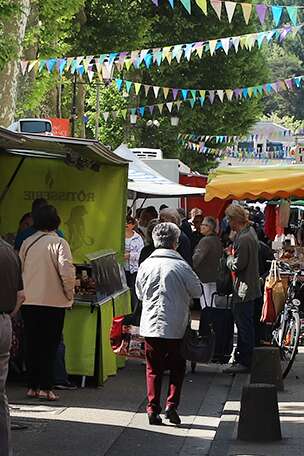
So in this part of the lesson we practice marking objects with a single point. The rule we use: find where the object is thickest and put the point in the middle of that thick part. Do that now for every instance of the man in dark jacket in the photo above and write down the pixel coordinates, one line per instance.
(243, 261)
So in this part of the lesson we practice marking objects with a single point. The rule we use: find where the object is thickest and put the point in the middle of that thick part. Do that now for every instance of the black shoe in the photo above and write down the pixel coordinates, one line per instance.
(65, 386)
(172, 415)
(154, 418)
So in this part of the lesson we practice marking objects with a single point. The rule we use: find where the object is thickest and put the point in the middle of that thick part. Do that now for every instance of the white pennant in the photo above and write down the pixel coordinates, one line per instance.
(230, 8)
(225, 43)
(212, 46)
(217, 6)
(236, 42)
(220, 94)
(169, 106)
(156, 90)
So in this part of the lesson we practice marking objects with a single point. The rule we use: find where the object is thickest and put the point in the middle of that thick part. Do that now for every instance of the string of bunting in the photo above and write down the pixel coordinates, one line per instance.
(219, 139)
(211, 95)
(261, 10)
(104, 64)
(201, 147)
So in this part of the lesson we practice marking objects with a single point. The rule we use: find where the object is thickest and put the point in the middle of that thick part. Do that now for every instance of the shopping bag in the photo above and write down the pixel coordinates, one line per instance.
(274, 295)
(125, 339)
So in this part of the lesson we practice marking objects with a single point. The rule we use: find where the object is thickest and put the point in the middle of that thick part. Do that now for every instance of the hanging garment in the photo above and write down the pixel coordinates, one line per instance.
(270, 219)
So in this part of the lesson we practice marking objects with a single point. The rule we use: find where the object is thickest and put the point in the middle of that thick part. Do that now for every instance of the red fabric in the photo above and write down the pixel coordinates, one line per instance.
(270, 222)
(125, 339)
(268, 311)
(162, 354)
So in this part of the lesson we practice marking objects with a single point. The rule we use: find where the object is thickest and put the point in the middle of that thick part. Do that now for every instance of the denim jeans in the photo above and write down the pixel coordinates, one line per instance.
(243, 313)
(5, 344)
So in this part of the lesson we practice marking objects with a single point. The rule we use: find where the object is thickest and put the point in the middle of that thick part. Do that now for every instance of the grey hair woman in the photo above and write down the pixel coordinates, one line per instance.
(166, 236)
(165, 284)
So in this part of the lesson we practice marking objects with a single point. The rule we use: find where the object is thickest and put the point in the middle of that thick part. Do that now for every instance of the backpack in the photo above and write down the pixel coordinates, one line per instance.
(224, 284)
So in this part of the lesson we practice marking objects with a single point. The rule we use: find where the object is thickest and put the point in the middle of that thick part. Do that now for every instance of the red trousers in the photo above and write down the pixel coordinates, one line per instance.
(163, 354)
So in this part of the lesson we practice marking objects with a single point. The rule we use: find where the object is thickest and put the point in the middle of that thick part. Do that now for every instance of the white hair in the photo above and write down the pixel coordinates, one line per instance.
(165, 235)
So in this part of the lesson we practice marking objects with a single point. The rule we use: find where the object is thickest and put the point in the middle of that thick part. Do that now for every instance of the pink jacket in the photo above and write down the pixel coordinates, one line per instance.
(48, 271)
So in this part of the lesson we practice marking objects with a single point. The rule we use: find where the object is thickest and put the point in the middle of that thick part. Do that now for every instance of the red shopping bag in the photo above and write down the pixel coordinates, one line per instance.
(126, 340)
(268, 310)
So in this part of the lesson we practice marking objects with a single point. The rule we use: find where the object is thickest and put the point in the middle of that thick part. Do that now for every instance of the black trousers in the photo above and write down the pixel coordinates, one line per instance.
(43, 328)
(131, 279)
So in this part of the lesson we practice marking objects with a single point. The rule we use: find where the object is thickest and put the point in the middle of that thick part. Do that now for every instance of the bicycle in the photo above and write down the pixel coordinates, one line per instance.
(286, 333)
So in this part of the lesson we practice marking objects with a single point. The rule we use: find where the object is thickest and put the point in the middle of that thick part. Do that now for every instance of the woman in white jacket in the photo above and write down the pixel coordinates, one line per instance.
(166, 284)
(49, 280)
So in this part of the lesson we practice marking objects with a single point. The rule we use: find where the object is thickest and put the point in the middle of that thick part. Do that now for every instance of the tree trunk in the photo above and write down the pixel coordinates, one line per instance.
(9, 75)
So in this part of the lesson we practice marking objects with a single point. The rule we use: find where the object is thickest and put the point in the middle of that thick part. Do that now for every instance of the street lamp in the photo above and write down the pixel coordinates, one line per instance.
(133, 119)
(153, 123)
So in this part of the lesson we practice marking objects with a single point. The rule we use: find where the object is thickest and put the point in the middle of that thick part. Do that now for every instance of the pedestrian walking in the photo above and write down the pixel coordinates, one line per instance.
(243, 261)
(11, 297)
(166, 284)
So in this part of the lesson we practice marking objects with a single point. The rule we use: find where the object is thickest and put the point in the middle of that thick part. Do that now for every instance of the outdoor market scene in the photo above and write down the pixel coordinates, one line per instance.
(151, 227)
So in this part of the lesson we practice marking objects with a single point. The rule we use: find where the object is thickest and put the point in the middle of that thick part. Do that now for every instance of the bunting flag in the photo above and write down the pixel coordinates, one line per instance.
(174, 93)
(211, 95)
(105, 63)
(263, 11)
(268, 133)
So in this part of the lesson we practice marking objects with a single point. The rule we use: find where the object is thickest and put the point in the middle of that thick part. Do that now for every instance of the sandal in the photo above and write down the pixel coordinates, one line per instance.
(32, 393)
(48, 396)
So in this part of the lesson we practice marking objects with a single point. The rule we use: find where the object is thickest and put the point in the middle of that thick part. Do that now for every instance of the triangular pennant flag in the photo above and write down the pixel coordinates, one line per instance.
(288, 83)
(178, 104)
(217, 6)
(247, 9)
(192, 103)
(225, 43)
(212, 46)
(141, 111)
(188, 51)
(148, 60)
(193, 93)
(134, 56)
(151, 109)
(277, 13)
(250, 91)
(176, 50)
(169, 106)
(156, 90)
(171, 3)
(220, 94)
(298, 80)
(175, 93)
(236, 42)
(187, 5)
(137, 86)
(23, 65)
(293, 14)
(124, 113)
(166, 51)
(128, 64)
(69, 62)
(184, 93)
(202, 4)
(160, 107)
(106, 116)
(128, 86)
(166, 92)
(87, 62)
(211, 96)
(143, 54)
(260, 38)
(230, 8)
(229, 94)
(42, 64)
(202, 93)
(49, 64)
(199, 50)
(119, 83)
(62, 64)
(261, 11)
(147, 88)
(155, 2)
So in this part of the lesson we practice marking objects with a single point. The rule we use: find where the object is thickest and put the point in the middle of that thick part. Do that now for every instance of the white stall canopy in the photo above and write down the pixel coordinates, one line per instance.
(145, 182)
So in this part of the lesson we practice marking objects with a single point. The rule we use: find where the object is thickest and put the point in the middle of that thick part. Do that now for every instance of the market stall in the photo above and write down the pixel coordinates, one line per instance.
(88, 185)
(263, 183)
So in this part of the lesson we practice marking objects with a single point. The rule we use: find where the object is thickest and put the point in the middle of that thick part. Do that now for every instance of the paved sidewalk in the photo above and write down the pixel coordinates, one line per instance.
(291, 405)
(112, 421)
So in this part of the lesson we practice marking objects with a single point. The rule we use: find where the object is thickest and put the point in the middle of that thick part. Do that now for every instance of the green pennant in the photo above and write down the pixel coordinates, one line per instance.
(202, 4)
(187, 5)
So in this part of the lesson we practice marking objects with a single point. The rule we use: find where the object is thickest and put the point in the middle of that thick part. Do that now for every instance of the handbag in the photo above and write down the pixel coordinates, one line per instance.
(196, 348)
(125, 339)
(274, 295)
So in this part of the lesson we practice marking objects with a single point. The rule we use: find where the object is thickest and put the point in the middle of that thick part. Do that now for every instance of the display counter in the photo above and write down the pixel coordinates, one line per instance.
(88, 324)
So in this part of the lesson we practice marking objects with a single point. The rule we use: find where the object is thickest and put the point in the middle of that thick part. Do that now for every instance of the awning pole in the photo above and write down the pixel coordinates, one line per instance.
(8, 185)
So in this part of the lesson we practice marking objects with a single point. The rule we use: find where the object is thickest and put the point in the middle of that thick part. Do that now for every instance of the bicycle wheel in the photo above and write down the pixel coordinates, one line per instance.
(290, 342)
